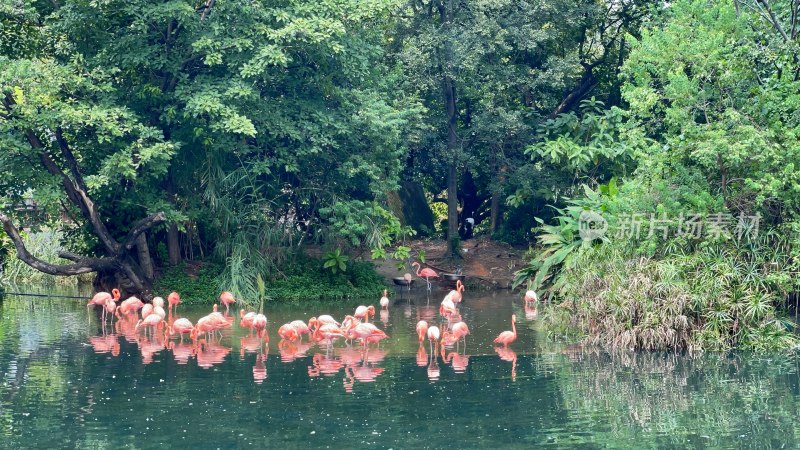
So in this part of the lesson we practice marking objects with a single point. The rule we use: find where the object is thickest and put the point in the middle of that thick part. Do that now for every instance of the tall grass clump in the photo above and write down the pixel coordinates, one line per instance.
(714, 298)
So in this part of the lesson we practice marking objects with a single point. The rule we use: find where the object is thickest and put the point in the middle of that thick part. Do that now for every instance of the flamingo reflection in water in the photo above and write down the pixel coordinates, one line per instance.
(458, 361)
(149, 346)
(507, 354)
(210, 353)
(422, 356)
(106, 343)
(290, 351)
(324, 364)
(260, 368)
(181, 351)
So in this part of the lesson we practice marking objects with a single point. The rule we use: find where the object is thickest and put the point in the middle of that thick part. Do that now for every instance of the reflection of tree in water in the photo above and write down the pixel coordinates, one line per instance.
(710, 399)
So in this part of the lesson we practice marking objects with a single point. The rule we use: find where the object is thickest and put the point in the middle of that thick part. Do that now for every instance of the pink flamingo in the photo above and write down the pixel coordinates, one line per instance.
(448, 308)
(455, 294)
(147, 309)
(246, 319)
(459, 331)
(153, 322)
(530, 296)
(102, 299)
(422, 330)
(226, 298)
(131, 305)
(301, 328)
(363, 313)
(158, 301)
(365, 332)
(507, 337)
(385, 300)
(407, 276)
(288, 332)
(433, 336)
(174, 299)
(181, 326)
(260, 326)
(426, 273)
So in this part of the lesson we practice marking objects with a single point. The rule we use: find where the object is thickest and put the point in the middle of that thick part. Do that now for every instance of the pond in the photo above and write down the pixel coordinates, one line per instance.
(67, 382)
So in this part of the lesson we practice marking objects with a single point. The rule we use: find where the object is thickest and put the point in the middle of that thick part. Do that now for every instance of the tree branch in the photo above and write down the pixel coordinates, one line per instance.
(139, 228)
(84, 265)
(773, 19)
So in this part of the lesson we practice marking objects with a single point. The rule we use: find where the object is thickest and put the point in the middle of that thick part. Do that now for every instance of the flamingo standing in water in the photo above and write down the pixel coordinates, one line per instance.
(174, 299)
(426, 273)
(422, 330)
(103, 299)
(530, 296)
(226, 298)
(181, 326)
(385, 300)
(260, 326)
(507, 337)
(433, 336)
(363, 313)
(131, 305)
(455, 294)
(408, 278)
(246, 319)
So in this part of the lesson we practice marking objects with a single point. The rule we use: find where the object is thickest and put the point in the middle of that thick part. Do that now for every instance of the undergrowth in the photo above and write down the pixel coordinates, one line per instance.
(298, 279)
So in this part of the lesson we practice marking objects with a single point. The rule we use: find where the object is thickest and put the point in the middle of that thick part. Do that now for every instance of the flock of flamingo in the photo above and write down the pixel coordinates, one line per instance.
(154, 329)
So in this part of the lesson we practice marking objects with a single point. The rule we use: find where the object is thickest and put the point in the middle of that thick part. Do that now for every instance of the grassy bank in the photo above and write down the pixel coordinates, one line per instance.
(302, 279)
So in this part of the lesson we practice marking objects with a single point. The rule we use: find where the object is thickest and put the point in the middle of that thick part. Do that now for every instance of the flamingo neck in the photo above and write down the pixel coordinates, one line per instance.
(514, 327)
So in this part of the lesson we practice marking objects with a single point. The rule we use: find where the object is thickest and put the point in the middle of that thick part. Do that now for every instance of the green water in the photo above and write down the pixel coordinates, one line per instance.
(64, 383)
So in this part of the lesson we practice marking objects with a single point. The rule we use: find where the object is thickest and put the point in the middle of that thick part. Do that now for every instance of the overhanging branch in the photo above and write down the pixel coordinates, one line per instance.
(83, 265)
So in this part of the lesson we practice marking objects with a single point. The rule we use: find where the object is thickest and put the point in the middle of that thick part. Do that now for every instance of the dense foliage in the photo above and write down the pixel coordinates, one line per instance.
(237, 133)
(712, 125)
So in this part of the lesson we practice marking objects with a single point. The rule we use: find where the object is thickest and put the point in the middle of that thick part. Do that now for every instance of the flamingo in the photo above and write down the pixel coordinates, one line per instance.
(408, 278)
(433, 336)
(204, 325)
(385, 300)
(102, 299)
(260, 326)
(329, 332)
(153, 321)
(226, 298)
(460, 330)
(365, 332)
(109, 309)
(288, 332)
(246, 319)
(426, 273)
(455, 294)
(158, 301)
(530, 296)
(174, 299)
(326, 319)
(422, 330)
(301, 328)
(181, 326)
(507, 337)
(147, 309)
(363, 313)
(448, 308)
(131, 305)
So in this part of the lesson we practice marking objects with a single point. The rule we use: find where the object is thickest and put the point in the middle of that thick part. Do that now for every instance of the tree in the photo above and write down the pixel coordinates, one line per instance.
(251, 127)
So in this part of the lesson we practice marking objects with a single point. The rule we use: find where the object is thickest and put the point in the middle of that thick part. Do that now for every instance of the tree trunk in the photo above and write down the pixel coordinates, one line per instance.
(143, 253)
(452, 171)
(497, 201)
(173, 245)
